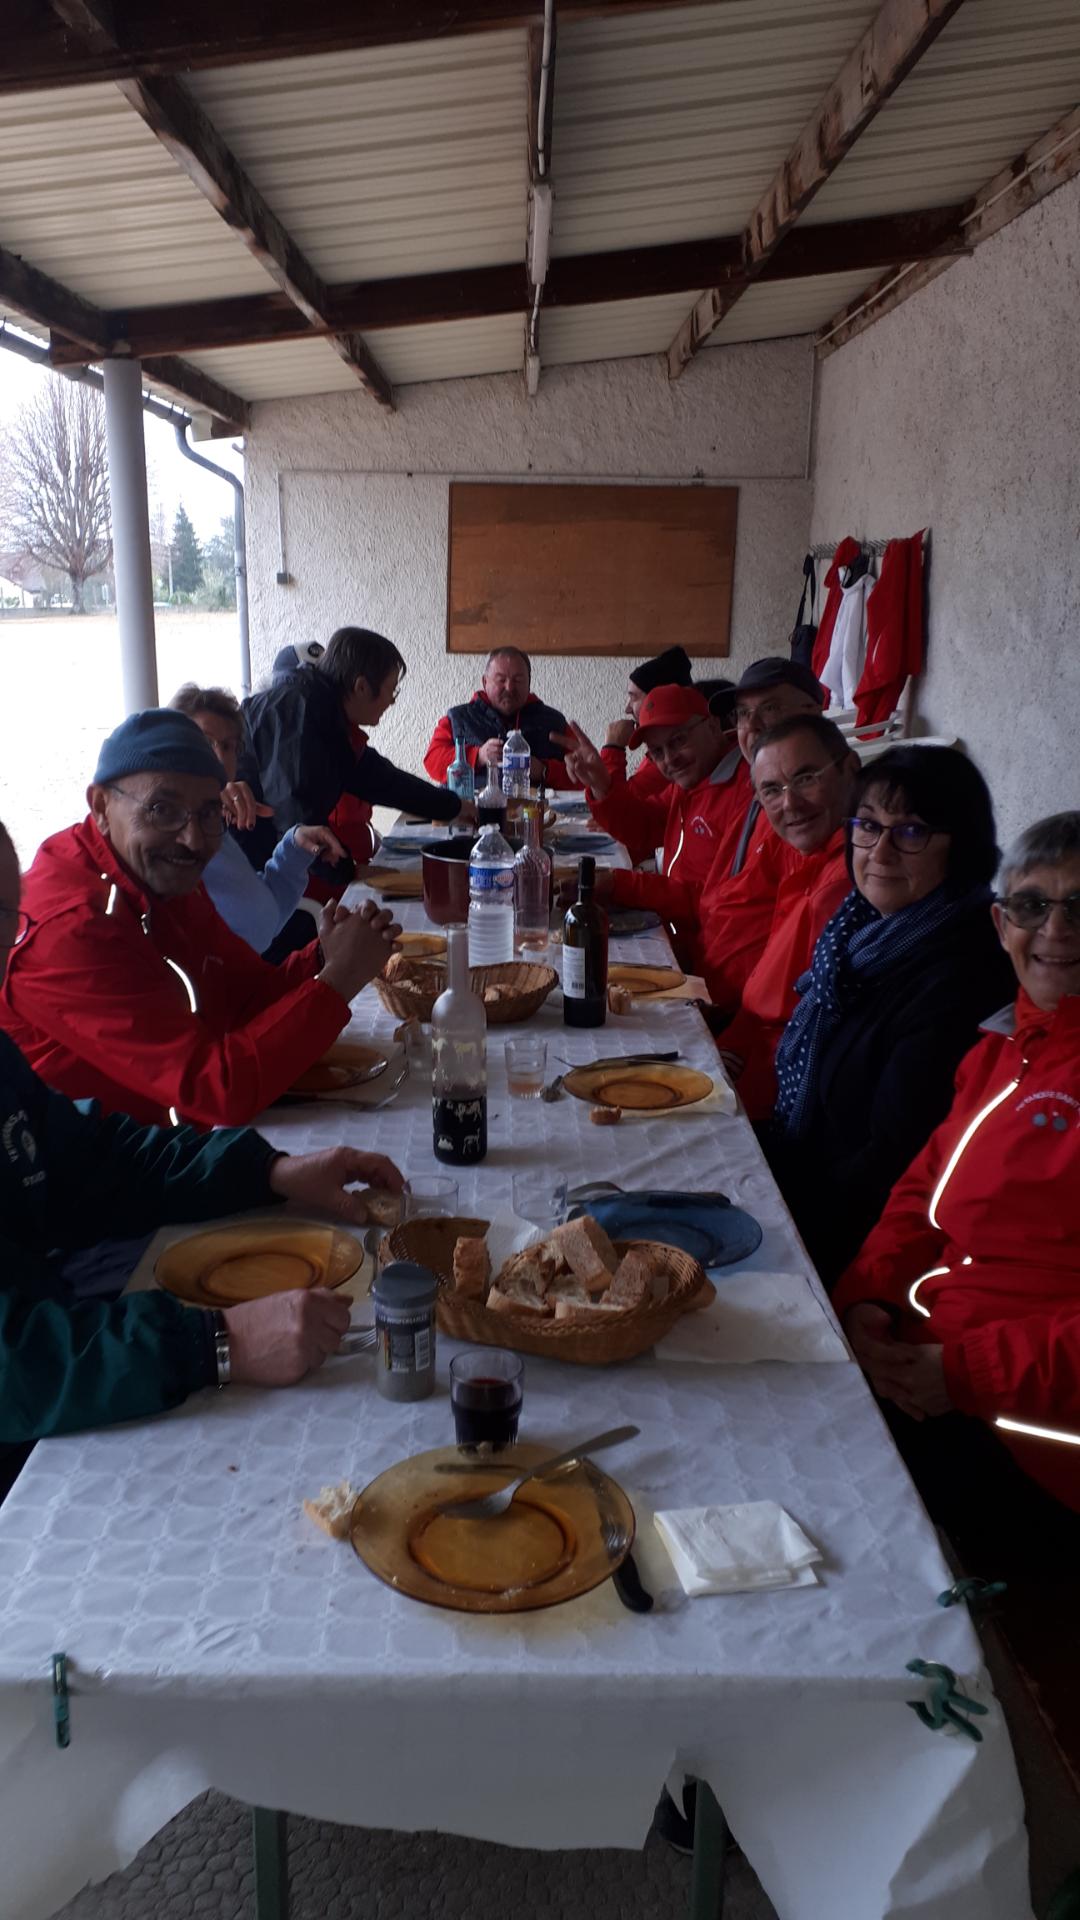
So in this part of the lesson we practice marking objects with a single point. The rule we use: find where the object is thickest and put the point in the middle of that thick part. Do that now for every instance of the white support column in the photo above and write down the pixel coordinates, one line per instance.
(131, 533)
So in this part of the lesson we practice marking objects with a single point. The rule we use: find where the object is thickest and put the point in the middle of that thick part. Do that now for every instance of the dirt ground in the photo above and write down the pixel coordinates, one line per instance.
(60, 681)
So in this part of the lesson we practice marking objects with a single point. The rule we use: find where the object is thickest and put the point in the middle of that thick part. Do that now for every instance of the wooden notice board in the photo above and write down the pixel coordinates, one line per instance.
(590, 569)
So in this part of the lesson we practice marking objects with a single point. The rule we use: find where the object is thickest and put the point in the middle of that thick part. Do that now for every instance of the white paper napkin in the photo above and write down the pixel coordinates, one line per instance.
(743, 1549)
(756, 1316)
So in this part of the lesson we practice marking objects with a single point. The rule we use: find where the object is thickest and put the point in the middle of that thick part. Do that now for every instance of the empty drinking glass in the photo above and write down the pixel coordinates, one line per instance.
(430, 1195)
(526, 1059)
(540, 1196)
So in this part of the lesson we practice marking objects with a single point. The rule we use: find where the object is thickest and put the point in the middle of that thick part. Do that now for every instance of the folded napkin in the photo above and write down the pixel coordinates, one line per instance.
(743, 1549)
(756, 1316)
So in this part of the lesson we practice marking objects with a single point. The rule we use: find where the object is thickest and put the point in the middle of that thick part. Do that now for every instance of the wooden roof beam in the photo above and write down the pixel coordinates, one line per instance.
(176, 119)
(1048, 163)
(573, 280)
(894, 42)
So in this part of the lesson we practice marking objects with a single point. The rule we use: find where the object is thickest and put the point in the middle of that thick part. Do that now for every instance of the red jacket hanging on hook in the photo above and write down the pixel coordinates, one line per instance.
(894, 630)
(846, 552)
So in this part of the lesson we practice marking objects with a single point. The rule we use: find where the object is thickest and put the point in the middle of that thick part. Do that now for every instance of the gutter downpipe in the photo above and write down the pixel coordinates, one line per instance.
(239, 546)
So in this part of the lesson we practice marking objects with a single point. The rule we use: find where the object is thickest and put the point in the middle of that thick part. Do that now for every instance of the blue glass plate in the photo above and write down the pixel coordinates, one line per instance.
(583, 843)
(705, 1225)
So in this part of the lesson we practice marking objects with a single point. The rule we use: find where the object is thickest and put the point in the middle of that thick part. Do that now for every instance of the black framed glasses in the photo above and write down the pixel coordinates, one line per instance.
(168, 816)
(1029, 909)
(907, 836)
(14, 927)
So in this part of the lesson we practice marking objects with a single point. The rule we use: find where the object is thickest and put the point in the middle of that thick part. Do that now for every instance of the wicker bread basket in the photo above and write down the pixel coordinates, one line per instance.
(617, 1336)
(409, 988)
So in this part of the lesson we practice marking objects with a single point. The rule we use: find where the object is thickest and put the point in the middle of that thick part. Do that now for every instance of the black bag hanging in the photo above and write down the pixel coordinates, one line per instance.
(804, 634)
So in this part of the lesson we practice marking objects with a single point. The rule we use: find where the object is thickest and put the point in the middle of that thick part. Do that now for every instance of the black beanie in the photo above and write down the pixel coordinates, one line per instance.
(670, 669)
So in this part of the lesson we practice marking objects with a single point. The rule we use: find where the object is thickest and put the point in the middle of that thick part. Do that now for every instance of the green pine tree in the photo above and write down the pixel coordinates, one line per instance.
(187, 562)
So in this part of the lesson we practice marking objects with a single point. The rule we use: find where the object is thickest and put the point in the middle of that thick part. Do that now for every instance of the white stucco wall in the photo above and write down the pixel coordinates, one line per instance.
(365, 499)
(961, 410)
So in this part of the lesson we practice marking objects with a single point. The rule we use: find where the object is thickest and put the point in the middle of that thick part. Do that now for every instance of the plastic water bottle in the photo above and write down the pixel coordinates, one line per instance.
(491, 900)
(516, 763)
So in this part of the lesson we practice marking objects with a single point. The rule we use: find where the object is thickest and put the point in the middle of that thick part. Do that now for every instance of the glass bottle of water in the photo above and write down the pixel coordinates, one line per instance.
(459, 775)
(459, 1062)
(491, 900)
(532, 885)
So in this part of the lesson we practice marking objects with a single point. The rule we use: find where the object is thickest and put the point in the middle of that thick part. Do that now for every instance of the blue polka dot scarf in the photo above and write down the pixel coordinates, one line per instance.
(858, 945)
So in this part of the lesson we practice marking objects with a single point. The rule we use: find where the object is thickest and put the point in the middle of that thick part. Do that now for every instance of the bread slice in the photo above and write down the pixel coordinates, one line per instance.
(472, 1268)
(704, 1297)
(332, 1511)
(632, 1282)
(530, 1271)
(383, 1209)
(568, 1311)
(518, 1303)
(587, 1251)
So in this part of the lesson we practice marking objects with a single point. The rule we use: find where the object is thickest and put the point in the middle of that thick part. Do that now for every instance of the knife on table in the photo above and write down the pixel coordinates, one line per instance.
(554, 1087)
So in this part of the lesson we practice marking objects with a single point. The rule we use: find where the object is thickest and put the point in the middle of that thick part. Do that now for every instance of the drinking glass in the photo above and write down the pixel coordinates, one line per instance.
(526, 1059)
(430, 1195)
(540, 1196)
(486, 1389)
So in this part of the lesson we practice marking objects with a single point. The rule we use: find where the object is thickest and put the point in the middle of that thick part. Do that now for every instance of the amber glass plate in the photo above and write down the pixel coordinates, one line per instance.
(657, 1089)
(560, 1537)
(230, 1264)
(641, 981)
(348, 1064)
(420, 946)
(393, 883)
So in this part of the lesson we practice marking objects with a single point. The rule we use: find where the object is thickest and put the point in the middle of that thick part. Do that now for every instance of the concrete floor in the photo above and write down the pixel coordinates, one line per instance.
(199, 1868)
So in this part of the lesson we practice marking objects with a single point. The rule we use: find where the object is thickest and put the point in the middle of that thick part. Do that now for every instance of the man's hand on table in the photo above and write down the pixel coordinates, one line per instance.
(355, 946)
(276, 1341)
(322, 1180)
(583, 762)
(911, 1376)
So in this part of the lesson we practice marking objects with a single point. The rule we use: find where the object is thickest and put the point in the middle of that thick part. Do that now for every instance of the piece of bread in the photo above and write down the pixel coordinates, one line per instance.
(605, 1116)
(498, 991)
(531, 1271)
(500, 1302)
(568, 1289)
(632, 1282)
(383, 1209)
(472, 1267)
(620, 1000)
(704, 1297)
(332, 1511)
(587, 1251)
(569, 1311)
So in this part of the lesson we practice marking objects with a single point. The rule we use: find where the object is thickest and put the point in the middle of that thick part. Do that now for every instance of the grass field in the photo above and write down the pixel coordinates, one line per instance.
(61, 695)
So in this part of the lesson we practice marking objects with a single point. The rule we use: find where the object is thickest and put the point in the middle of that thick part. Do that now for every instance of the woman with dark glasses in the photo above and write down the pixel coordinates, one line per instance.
(964, 1303)
(900, 978)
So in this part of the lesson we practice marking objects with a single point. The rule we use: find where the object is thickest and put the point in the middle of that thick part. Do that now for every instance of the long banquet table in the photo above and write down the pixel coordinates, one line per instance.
(215, 1639)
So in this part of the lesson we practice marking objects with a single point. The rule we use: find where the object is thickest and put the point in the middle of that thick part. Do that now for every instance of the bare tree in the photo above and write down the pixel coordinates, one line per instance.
(54, 503)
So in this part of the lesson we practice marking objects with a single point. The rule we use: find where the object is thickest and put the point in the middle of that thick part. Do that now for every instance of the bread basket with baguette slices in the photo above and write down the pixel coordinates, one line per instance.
(513, 990)
(574, 1296)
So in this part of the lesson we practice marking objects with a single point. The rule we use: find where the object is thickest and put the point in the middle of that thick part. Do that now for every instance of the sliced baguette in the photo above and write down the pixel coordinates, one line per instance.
(332, 1511)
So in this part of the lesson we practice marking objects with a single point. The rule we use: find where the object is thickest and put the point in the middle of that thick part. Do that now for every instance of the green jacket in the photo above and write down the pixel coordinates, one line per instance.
(70, 1177)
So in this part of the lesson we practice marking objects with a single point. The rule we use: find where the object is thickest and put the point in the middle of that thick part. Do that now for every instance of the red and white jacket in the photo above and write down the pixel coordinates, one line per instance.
(636, 805)
(979, 1245)
(153, 1006)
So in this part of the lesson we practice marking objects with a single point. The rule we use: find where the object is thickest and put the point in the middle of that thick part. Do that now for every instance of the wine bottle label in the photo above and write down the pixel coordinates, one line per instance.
(573, 972)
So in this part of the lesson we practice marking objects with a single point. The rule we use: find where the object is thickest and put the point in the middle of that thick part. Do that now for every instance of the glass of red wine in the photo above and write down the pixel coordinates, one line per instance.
(486, 1389)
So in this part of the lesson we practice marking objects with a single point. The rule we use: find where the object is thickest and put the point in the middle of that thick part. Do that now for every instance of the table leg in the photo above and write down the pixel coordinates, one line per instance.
(268, 1832)
(710, 1848)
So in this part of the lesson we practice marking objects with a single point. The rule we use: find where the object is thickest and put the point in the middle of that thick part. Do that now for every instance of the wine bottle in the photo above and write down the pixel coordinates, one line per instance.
(459, 1061)
(585, 955)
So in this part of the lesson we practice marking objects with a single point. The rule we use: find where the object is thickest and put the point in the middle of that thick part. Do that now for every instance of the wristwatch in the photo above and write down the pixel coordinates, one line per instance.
(222, 1352)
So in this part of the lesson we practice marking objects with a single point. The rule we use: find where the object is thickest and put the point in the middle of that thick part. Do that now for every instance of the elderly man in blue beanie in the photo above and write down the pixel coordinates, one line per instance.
(129, 988)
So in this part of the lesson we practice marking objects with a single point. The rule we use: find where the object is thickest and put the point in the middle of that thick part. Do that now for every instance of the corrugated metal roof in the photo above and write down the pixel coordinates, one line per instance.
(275, 372)
(89, 196)
(450, 350)
(1002, 73)
(400, 160)
(780, 307)
(668, 126)
(612, 331)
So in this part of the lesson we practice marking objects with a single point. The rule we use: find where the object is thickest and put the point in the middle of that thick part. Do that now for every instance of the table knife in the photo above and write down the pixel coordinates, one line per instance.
(554, 1087)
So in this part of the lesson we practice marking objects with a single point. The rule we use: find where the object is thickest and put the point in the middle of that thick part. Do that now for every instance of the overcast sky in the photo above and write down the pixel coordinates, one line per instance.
(169, 475)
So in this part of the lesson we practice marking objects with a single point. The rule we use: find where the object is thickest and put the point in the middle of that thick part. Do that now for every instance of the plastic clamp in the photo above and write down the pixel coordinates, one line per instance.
(972, 1589)
(946, 1707)
(61, 1709)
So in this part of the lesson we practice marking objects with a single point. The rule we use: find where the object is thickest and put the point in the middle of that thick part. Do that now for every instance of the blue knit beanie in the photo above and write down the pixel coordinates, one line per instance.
(159, 740)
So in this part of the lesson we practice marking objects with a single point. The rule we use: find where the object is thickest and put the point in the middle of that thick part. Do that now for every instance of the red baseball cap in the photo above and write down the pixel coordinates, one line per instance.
(669, 707)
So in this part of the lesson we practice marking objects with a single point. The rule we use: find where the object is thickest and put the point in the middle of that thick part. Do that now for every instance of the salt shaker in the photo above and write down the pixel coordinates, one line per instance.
(404, 1295)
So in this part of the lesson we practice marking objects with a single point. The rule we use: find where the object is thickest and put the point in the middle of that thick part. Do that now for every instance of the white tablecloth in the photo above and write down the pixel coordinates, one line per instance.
(217, 1640)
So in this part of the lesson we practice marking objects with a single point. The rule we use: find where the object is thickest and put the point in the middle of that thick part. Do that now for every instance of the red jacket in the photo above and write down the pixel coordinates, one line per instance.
(810, 888)
(637, 807)
(99, 995)
(701, 832)
(535, 719)
(987, 1221)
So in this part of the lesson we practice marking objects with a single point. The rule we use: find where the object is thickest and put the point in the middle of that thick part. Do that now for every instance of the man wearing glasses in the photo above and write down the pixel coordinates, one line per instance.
(128, 986)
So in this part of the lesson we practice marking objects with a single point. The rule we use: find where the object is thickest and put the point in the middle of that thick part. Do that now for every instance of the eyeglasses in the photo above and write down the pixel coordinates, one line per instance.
(675, 744)
(1031, 910)
(773, 791)
(14, 927)
(907, 836)
(168, 816)
(769, 712)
